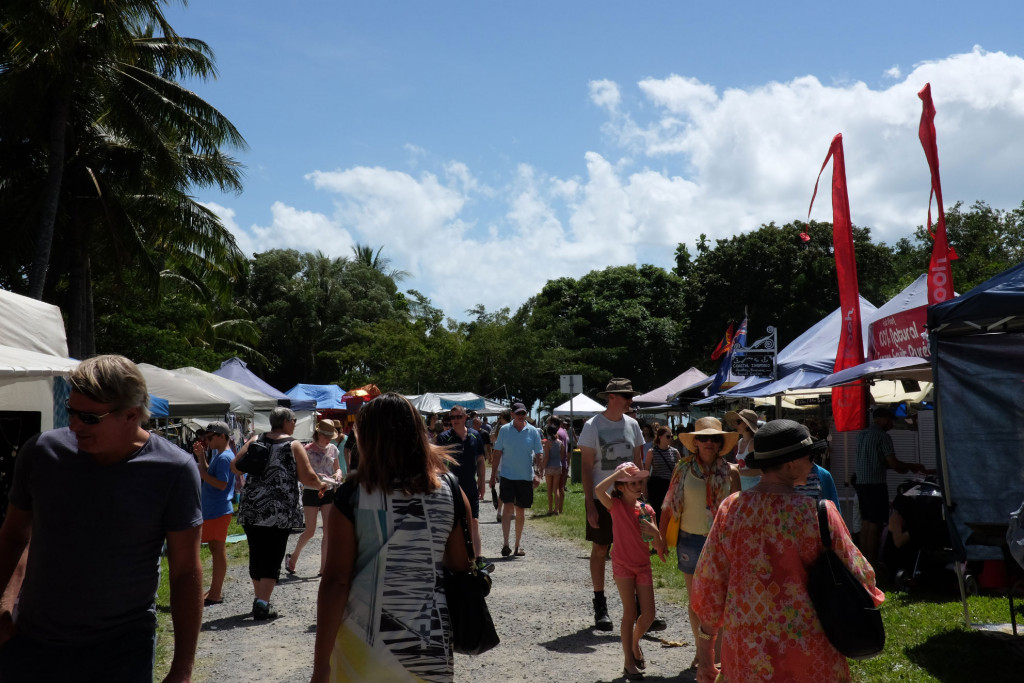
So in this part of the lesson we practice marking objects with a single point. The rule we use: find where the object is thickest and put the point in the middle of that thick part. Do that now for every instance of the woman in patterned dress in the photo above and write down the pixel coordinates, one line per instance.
(751, 580)
(381, 610)
(324, 459)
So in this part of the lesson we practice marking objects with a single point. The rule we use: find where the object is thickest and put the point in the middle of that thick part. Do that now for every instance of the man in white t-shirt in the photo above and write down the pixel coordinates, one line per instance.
(607, 440)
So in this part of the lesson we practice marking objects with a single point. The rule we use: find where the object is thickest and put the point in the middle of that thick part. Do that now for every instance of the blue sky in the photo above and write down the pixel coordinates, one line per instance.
(490, 147)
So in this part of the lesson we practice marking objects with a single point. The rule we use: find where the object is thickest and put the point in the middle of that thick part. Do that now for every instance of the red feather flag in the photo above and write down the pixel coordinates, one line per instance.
(849, 403)
(725, 344)
(940, 271)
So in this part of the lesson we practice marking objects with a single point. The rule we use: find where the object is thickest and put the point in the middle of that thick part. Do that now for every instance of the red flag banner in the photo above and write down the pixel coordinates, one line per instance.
(724, 345)
(849, 403)
(940, 271)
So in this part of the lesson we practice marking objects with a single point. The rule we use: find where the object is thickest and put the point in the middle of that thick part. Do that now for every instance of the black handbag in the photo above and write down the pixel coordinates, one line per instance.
(254, 460)
(847, 613)
(472, 627)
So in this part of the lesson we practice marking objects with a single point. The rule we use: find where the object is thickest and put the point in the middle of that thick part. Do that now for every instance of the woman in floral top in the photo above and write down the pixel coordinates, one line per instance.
(700, 482)
(751, 581)
(323, 458)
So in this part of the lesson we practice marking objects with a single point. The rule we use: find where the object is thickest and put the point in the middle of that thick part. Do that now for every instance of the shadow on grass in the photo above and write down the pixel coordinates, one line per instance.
(967, 656)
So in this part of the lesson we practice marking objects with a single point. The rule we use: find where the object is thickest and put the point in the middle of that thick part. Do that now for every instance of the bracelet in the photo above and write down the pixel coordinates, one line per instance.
(702, 635)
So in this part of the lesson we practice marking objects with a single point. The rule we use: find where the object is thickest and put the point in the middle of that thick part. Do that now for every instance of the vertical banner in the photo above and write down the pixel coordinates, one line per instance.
(725, 353)
(940, 271)
(849, 403)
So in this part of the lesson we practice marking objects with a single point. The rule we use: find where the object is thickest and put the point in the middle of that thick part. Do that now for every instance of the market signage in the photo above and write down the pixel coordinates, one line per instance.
(753, 366)
(899, 335)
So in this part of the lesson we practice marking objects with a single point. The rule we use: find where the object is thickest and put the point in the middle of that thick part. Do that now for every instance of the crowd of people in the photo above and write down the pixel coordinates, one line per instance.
(737, 504)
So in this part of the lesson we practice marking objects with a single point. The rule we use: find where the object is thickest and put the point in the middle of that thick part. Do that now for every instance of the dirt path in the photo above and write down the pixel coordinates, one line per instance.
(541, 604)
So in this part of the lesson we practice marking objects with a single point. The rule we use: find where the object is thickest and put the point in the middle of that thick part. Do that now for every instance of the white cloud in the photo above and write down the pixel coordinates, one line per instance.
(605, 94)
(689, 158)
(893, 72)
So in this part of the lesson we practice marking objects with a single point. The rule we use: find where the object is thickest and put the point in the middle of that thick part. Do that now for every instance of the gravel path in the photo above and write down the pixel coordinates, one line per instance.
(541, 605)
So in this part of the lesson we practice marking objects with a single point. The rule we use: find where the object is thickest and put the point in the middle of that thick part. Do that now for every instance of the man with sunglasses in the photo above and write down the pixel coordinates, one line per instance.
(98, 500)
(471, 469)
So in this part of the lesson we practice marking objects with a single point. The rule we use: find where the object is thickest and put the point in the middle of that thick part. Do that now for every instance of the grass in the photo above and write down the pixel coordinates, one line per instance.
(237, 552)
(925, 635)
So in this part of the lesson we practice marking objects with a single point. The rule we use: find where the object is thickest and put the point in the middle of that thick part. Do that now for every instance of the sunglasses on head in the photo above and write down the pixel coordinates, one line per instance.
(86, 418)
(715, 438)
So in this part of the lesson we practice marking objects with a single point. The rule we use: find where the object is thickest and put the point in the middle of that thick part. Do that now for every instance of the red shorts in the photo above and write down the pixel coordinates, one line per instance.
(641, 574)
(216, 529)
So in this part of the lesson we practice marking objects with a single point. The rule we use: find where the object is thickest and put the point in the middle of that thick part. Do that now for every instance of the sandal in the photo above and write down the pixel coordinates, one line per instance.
(519, 553)
(207, 602)
(506, 551)
(638, 676)
(640, 662)
(288, 566)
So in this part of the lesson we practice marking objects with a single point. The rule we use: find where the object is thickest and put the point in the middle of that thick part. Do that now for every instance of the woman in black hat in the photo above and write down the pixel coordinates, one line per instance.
(751, 580)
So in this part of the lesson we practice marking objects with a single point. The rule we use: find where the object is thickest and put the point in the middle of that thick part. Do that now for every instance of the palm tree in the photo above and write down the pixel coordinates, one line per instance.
(109, 161)
(365, 255)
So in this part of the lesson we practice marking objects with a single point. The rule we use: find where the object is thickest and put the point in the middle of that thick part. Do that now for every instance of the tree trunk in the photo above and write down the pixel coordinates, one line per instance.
(81, 325)
(51, 194)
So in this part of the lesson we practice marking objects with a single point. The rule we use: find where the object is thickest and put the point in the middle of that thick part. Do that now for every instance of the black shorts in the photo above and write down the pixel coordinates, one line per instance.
(517, 491)
(873, 500)
(602, 535)
(311, 498)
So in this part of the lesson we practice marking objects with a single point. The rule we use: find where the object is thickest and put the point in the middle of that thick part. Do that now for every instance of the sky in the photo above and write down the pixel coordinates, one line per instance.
(489, 147)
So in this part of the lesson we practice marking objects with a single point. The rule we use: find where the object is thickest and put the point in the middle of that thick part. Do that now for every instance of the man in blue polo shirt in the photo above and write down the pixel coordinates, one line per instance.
(513, 455)
(471, 468)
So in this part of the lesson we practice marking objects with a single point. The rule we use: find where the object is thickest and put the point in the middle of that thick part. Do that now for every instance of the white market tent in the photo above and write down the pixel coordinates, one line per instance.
(33, 351)
(244, 400)
(439, 402)
(184, 397)
(582, 405)
(667, 392)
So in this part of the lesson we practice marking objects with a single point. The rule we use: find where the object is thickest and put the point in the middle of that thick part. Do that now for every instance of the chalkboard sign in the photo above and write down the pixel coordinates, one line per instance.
(760, 365)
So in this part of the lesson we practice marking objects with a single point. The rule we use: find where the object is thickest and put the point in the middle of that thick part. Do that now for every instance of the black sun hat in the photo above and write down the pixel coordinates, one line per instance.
(778, 442)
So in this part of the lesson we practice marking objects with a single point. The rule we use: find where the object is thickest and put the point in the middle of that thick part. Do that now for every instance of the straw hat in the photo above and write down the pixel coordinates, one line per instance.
(326, 427)
(709, 426)
(748, 416)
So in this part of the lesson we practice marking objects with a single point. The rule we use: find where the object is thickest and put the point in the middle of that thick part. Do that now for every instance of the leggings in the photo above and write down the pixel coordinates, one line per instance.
(267, 546)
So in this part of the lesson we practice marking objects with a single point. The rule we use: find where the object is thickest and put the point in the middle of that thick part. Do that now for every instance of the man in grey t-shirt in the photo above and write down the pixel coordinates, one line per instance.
(98, 500)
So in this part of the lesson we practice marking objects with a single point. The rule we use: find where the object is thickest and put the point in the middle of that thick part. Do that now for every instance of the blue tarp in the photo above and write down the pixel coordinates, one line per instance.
(977, 351)
(324, 396)
(159, 407)
(235, 369)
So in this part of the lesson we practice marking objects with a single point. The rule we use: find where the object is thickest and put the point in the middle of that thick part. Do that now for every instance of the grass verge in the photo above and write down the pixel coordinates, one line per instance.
(925, 635)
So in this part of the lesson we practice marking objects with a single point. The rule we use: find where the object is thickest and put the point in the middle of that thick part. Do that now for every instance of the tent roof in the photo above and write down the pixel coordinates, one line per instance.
(664, 393)
(437, 402)
(184, 398)
(324, 396)
(244, 400)
(17, 363)
(909, 367)
(582, 405)
(33, 325)
(235, 369)
(997, 303)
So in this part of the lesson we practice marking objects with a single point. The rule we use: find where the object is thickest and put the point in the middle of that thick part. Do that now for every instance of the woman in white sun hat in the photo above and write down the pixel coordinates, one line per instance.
(745, 424)
(701, 481)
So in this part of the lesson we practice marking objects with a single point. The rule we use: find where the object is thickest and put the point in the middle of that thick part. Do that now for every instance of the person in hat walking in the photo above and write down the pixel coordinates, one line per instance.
(324, 459)
(633, 524)
(515, 453)
(751, 580)
(213, 457)
(701, 481)
(745, 424)
(608, 439)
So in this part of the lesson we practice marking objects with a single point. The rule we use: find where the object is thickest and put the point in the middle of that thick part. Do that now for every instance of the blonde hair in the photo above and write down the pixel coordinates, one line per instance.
(112, 379)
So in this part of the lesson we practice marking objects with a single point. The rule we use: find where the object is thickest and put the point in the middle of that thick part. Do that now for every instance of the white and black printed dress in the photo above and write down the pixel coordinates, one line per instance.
(396, 621)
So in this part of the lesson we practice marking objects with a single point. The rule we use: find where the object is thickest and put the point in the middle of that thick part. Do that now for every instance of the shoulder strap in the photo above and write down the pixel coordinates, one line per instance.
(460, 513)
(826, 535)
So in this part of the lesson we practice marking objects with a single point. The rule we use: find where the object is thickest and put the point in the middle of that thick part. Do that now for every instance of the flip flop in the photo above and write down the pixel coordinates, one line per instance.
(288, 566)
(207, 602)
(519, 553)
(640, 662)
(506, 551)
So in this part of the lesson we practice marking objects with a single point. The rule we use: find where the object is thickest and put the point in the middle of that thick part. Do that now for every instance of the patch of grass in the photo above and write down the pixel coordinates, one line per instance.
(925, 635)
(237, 552)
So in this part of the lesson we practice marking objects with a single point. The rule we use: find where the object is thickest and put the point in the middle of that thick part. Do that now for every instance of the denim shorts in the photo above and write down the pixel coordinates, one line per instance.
(688, 549)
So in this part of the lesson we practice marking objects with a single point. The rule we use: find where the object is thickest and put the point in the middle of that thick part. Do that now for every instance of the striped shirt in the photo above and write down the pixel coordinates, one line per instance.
(873, 447)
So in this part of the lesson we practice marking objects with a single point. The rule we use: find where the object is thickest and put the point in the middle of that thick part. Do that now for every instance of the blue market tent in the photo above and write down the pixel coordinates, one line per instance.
(323, 396)
(236, 369)
(977, 346)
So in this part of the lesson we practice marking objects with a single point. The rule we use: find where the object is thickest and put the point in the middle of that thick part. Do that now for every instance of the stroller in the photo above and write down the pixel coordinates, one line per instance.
(926, 559)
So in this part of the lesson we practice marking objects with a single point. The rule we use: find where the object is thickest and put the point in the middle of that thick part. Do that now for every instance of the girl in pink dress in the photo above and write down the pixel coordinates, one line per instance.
(633, 528)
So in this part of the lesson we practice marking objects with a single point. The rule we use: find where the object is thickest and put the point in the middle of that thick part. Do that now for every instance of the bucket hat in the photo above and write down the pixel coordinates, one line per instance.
(779, 442)
(709, 426)
(618, 385)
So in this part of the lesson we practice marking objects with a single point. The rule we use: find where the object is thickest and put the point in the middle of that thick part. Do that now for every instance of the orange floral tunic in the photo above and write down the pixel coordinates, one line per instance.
(751, 582)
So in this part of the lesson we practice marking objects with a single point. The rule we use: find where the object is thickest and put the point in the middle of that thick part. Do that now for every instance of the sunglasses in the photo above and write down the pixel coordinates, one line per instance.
(86, 418)
(706, 438)
(456, 416)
